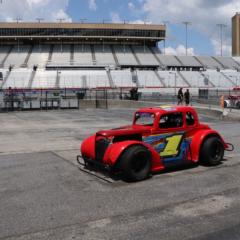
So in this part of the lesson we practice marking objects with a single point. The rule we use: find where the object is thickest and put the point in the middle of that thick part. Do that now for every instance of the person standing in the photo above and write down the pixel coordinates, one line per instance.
(180, 96)
(187, 97)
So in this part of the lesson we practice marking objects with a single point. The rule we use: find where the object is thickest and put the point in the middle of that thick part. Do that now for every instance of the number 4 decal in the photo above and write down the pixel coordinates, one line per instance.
(172, 146)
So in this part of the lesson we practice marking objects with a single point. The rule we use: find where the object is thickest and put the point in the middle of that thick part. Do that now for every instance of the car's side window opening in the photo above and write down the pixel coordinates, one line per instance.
(171, 120)
(190, 119)
(144, 118)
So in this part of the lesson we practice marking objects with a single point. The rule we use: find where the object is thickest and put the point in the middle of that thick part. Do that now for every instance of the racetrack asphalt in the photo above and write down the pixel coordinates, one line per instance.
(44, 195)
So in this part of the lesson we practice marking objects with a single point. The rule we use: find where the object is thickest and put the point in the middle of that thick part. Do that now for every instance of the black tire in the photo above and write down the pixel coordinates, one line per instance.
(135, 163)
(212, 151)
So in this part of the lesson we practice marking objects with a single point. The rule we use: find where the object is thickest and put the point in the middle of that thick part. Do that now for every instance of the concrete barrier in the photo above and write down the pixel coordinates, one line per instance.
(203, 109)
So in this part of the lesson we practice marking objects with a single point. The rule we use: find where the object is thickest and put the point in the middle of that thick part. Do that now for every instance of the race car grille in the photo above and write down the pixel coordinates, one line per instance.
(100, 148)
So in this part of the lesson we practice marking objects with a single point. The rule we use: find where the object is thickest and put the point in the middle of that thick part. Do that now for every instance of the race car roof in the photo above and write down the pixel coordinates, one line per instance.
(166, 109)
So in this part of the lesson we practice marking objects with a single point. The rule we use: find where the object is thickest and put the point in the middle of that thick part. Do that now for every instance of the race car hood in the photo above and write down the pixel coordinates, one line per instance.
(125, 130)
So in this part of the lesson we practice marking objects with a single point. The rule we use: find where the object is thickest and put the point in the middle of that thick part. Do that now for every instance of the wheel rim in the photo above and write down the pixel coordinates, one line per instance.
(216, 152)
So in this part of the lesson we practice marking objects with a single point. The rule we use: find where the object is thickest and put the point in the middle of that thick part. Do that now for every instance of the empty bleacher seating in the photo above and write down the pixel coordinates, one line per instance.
(195, 79)
(145, 56)
(61, 55)
(189, 61)
(148, 79)
(209, 62)
(125, 55)
(17, 56)
(18, 79)
(45, 79)
(104, 55)
(218, 79)
(172, 79)
(228, 62)
(84, 79)
(122, 78)
(169, 60)
(82, 55)
(3, 52)
(39, 56)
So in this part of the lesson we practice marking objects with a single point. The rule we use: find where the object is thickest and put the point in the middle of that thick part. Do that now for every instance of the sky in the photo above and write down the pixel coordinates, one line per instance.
(204, 15)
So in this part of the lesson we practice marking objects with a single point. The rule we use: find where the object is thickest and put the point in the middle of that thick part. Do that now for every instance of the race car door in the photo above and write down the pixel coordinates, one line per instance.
(170, 141)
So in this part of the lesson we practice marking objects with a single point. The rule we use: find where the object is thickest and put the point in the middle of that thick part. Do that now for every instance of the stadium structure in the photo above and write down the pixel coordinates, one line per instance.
(74, 56)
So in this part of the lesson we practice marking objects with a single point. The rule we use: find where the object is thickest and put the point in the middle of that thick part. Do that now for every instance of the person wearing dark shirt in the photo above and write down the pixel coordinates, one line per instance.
(187, 97)
(180, 96)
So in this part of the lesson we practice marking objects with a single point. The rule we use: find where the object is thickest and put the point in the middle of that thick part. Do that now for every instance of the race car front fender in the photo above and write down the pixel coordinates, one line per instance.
(115, 151)
(87, 147)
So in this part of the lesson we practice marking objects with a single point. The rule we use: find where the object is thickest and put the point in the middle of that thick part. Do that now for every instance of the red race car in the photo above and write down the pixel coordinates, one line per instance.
(159, 137)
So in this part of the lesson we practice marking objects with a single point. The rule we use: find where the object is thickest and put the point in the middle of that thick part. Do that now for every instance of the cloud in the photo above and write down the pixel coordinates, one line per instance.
(29, 10)
(180, 50)
(115, 17)
(226, 48)
(131, 6)
(203, 14)
(92, 5)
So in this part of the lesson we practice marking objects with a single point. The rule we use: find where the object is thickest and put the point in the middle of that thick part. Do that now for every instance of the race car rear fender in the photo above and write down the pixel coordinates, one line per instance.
(199, 139)
(115, 151)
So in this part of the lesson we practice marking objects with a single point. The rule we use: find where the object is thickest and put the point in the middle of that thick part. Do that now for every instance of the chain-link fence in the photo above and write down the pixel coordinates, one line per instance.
(47, 99)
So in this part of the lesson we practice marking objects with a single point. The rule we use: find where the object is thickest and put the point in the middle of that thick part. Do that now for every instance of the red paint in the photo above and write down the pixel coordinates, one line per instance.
(197, 133)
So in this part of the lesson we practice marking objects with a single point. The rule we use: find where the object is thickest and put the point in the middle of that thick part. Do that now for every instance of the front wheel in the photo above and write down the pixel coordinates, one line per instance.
(135, 163)
(212, 151)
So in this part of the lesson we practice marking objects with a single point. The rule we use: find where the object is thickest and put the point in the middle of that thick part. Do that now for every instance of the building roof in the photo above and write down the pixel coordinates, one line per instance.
(156, 27)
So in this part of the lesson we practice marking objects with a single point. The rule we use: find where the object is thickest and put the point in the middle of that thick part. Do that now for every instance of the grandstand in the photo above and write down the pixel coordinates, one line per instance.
(92, 56)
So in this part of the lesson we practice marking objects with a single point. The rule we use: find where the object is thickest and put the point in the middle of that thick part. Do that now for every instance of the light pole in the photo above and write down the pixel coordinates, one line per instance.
(39, 19)
(83, 20)
(186, 26)
(164, 42)
(61, 19)
(221, 26)
(18, 19)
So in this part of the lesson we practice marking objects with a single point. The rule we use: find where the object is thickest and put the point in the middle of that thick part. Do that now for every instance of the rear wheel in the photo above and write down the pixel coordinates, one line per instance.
(135, 163)
(212, 151)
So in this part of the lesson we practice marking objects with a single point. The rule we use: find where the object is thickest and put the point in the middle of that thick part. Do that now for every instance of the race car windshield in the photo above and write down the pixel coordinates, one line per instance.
(144, 119)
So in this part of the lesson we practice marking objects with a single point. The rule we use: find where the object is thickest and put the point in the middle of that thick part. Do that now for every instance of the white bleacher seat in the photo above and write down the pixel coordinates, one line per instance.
(84, 79)
(61, 55)
(17, 56)
(228, 62)
(122, 78)
(169, 60)
(237, 59)
(39, 55)
(71, 79)
(195, 79)
(3, 52)
(209, 62)
(125, 55)
(168, 77)
(148, 79)
(82, 55)
(18, 78)
(189, 61)
(233, 75)
(3, 71)
(218, 79)
(45, 79)
(145, 56)
(104, 55)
